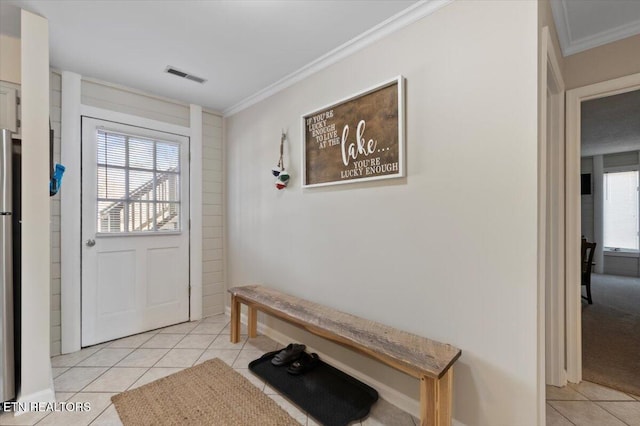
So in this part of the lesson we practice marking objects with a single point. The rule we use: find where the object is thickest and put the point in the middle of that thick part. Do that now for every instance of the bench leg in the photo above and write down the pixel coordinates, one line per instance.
(235, 319)
(252, 322)
(436, 400)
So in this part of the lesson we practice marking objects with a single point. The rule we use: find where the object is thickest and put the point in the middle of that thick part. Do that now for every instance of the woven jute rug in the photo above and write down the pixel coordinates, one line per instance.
(211, 393)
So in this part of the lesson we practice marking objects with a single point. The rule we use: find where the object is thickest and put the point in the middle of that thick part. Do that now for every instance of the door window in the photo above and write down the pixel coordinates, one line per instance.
(138, 184)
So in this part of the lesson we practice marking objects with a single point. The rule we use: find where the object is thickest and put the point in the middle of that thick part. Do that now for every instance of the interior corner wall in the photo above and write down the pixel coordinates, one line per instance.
(449, 252)
(545, 19)
(607, 62)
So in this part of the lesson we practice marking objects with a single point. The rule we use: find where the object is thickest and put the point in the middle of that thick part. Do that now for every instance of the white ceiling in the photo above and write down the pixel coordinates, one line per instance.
(243, 47)
(239, 46)
(610, 124)
(585, 24)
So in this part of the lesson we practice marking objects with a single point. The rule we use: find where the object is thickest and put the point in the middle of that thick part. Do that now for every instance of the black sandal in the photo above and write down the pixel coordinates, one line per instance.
(305, 363)
(289, 354)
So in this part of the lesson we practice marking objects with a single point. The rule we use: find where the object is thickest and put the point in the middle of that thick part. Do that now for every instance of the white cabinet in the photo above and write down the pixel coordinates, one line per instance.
(10, 107)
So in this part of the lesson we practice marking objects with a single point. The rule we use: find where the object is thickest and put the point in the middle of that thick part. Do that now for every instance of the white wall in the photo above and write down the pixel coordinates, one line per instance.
(36, 382)
(450, 251)
(603, 63)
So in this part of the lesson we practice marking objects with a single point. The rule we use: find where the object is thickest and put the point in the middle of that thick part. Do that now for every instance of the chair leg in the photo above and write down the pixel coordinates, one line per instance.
(589, 294)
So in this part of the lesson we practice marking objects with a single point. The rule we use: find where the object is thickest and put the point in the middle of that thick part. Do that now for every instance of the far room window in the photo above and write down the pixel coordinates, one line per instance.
(138, 184)
(621, 210)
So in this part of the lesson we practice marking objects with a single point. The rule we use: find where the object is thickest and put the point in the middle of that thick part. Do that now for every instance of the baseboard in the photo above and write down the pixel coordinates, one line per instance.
(400, 400)
(46, 395)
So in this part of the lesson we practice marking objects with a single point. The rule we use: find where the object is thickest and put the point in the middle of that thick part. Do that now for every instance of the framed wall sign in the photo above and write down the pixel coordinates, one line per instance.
(357, 139)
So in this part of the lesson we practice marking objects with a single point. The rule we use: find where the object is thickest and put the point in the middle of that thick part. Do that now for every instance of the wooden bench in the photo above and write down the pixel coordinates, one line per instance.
(429, 361)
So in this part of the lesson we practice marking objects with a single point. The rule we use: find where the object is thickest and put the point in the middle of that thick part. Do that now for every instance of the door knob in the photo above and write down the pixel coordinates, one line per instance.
(91, 243)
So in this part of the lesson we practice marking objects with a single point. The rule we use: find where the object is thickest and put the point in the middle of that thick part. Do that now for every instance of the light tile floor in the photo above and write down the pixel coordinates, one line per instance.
(96, 373)
(587, 404)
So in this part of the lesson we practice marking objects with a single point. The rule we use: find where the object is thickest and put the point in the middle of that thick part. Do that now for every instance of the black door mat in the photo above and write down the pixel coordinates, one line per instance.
(331, 397)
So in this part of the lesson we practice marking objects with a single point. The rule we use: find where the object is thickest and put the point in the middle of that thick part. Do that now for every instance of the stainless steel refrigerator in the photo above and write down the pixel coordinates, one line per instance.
(7, 199)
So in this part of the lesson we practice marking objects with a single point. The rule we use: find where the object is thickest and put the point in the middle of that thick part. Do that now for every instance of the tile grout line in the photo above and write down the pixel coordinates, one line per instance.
(628, 395)
(170, 349)
(613, 414)
(76, 365)
(597, 402)
(110, 368)
(101, 412)
(113, 365)
(561, 415)
(42, 419)
(577, 391)
(106, 371)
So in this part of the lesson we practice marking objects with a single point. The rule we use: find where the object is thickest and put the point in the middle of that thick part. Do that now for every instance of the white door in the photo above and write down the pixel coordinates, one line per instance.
(135, 230)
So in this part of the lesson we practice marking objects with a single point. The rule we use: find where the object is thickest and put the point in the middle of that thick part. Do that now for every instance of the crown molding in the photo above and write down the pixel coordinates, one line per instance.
(559, 11)
(602, 38)
(398, 21)
(570, 46)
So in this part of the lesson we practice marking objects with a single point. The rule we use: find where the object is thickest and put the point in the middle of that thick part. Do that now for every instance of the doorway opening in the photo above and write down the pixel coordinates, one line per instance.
(609, 209)
(611, 181)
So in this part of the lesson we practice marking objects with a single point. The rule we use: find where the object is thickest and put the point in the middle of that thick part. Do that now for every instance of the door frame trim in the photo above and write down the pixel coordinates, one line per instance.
(552, 288)
(573, 220)
(70, 205)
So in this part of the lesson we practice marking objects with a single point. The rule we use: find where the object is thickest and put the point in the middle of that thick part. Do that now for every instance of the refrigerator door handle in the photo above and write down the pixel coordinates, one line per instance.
(6, 183)
(7, 377)
(7, 373)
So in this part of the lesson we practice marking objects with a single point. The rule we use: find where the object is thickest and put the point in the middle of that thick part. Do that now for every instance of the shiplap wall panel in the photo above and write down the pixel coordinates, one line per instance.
(55, 87)
(119, 99)
(212, 255)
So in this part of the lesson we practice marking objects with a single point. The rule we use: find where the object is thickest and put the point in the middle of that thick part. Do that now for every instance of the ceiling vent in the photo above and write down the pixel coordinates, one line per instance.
(174, 71)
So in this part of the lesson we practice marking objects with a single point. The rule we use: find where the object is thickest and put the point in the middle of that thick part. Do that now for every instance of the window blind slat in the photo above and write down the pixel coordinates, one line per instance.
(140, 177)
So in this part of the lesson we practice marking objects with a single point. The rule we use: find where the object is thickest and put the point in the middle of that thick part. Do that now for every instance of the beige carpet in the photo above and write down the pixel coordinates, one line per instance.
(611, 334)
(211, 393)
